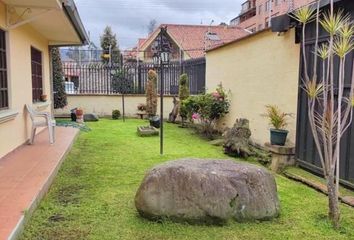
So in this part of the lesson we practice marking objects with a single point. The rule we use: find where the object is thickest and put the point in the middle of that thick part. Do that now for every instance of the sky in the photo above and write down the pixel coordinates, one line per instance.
(129, 18)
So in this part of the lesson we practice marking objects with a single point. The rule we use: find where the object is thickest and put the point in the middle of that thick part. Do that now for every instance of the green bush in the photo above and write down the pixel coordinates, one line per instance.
(207, 109)
(115, 114)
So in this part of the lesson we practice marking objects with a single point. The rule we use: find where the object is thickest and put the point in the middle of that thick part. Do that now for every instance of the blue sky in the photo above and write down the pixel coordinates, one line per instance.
(129, 18)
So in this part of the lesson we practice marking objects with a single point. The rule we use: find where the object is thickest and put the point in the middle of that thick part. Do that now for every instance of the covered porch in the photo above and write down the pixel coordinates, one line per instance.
(26, 175)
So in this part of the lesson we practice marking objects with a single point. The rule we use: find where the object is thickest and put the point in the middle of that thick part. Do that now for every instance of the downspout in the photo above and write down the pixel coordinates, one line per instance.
(51, 80)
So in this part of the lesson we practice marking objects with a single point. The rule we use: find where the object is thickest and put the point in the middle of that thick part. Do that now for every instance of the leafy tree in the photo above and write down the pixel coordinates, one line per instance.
(121, 82)
(152, 26)
(60, 100)
(151, 94)
(109, 41)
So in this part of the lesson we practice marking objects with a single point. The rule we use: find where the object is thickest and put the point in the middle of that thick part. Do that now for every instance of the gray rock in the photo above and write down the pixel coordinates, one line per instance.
(208, 191)
(91, 117)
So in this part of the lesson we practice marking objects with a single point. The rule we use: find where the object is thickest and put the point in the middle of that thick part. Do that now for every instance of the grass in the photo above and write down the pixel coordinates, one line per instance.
(93, 195)
(302, 173)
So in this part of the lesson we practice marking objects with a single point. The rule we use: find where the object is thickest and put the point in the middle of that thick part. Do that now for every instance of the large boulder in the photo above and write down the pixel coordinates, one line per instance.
(208, 191)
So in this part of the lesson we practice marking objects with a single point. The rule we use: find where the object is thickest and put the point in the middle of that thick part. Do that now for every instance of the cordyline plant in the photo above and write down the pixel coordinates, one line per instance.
(329, 115)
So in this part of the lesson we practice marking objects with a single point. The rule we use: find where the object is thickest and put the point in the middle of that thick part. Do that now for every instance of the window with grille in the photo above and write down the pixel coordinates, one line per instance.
(4, 95)
(37, 75)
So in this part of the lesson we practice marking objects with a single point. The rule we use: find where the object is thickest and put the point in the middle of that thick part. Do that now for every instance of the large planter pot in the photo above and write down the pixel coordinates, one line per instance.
(278, 136)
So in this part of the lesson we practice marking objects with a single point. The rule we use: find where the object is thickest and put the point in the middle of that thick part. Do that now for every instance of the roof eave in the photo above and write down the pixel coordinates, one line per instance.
(237, 40)
(74, 17)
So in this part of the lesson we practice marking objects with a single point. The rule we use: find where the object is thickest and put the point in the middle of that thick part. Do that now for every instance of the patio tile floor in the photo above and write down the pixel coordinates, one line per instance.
(26, 175)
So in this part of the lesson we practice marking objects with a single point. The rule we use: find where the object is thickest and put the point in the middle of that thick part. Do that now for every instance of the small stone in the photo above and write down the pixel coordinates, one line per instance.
(91, 117)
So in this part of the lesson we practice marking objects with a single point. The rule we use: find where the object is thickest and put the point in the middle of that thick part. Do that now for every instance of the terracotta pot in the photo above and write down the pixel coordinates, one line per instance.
(43, 98)
(79, 112)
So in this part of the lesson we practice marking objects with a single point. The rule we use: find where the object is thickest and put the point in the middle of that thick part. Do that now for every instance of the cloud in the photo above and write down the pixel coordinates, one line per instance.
(129, 19)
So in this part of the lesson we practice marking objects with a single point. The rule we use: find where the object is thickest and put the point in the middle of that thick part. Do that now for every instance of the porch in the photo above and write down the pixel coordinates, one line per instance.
(26, 175)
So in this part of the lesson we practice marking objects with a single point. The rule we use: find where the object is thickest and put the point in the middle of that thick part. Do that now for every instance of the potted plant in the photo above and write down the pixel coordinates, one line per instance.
(79, 115)
(141, 107)
(278, 120)
(43, 98)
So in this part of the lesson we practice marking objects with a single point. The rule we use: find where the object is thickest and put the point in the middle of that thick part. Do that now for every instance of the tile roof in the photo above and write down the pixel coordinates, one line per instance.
(192, 38)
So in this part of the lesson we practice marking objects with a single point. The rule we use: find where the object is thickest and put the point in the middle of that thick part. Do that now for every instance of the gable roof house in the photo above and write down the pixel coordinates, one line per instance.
(28, 29)
(189, 41)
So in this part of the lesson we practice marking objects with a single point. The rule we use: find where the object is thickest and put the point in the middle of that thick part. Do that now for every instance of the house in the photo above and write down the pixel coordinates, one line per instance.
(257, 14)
(133, 53)
(28, 30)
(189, 41)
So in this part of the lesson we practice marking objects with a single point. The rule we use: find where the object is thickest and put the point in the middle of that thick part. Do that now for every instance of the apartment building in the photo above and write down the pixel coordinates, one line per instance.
(256, 14)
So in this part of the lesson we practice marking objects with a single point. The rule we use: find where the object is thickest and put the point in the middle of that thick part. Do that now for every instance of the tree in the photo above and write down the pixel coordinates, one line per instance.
(151, 94)
(183, 94)
(329, 115)
(109, 44)
(152, 26)
(60, 100)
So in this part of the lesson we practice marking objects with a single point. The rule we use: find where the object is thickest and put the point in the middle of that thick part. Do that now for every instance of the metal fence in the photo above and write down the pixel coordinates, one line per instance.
(130, 78)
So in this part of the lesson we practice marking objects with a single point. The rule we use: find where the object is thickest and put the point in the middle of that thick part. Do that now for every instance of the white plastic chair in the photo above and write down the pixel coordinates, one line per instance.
(41, 119)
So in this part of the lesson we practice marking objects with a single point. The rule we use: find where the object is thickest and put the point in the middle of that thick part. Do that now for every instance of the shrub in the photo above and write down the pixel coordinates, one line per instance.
(207, 109)
(151, 94)
(115, 114)
(183, 94)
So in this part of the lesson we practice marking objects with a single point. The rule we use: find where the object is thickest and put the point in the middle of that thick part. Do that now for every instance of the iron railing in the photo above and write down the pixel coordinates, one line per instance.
(130, 78)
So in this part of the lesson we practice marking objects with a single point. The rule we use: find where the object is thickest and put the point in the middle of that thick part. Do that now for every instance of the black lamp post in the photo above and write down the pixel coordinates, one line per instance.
(161, 59)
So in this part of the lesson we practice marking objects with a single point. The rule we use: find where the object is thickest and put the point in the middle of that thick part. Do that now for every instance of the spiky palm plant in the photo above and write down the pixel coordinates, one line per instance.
(329, 116)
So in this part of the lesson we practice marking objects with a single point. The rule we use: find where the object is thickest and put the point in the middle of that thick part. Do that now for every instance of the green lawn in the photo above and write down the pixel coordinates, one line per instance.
(93, 195)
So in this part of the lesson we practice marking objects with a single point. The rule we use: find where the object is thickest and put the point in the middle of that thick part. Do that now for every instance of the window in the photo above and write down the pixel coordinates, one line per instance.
(267, 6)
(276, 2)
(4, 96)
(37, 76)
(260, 9)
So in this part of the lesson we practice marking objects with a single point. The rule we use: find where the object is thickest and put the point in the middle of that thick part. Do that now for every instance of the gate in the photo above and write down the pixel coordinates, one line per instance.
(306, 151)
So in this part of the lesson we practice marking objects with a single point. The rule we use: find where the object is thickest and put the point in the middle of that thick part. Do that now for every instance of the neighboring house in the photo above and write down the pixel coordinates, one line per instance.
(133, 53)
(189, 41)
(29, 28)
(256, 14)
